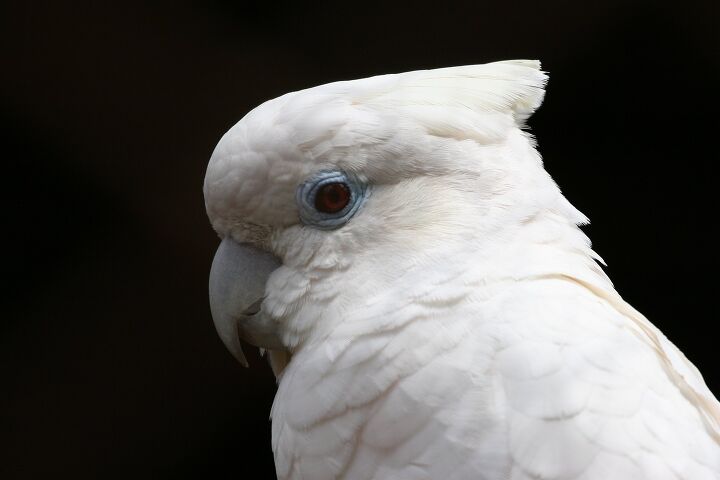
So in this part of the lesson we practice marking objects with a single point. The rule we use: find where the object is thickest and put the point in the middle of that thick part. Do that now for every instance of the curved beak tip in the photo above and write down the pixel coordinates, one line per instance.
(240, 357)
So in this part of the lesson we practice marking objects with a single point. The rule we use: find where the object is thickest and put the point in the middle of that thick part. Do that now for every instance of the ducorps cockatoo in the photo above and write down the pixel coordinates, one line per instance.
(430, 307)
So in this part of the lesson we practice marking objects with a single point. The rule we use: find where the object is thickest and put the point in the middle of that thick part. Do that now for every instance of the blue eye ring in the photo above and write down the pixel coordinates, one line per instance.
(306, 198)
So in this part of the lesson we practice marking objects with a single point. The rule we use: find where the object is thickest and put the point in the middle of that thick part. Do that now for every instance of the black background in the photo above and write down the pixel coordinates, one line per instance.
(110, 364)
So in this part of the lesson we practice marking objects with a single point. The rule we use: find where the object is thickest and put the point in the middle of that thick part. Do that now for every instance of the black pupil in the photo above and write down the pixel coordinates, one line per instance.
(332, 198)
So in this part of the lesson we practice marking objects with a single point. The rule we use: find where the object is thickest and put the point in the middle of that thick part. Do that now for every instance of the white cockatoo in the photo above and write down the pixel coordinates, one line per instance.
(430, 307)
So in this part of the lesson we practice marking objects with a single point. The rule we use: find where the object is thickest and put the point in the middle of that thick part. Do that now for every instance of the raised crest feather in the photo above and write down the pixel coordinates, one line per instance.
(516, 87)
(480, 102)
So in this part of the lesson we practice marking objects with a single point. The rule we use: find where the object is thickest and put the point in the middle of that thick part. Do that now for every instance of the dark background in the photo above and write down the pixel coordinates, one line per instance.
(109, 360)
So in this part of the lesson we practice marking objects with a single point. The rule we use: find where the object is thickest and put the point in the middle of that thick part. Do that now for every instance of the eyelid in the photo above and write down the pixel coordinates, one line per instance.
(305, 198)
(324, 179)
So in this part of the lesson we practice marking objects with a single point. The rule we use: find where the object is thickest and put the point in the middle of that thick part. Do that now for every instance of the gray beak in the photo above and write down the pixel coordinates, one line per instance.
(237, 287)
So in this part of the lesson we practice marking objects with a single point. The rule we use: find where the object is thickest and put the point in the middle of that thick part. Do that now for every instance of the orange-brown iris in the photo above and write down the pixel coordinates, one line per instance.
(332, 197)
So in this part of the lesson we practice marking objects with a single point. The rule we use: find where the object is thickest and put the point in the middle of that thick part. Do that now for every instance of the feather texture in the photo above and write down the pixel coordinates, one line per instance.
(459, 325)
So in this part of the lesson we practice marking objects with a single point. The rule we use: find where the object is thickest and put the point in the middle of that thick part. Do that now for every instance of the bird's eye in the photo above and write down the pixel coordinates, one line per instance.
(329, 198)
(332, 197)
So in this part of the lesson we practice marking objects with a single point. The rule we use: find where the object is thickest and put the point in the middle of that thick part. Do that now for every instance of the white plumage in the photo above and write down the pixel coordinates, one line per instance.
(458, 325)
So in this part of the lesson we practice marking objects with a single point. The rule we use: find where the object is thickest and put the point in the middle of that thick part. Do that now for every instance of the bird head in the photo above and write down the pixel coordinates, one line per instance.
(323, 197)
